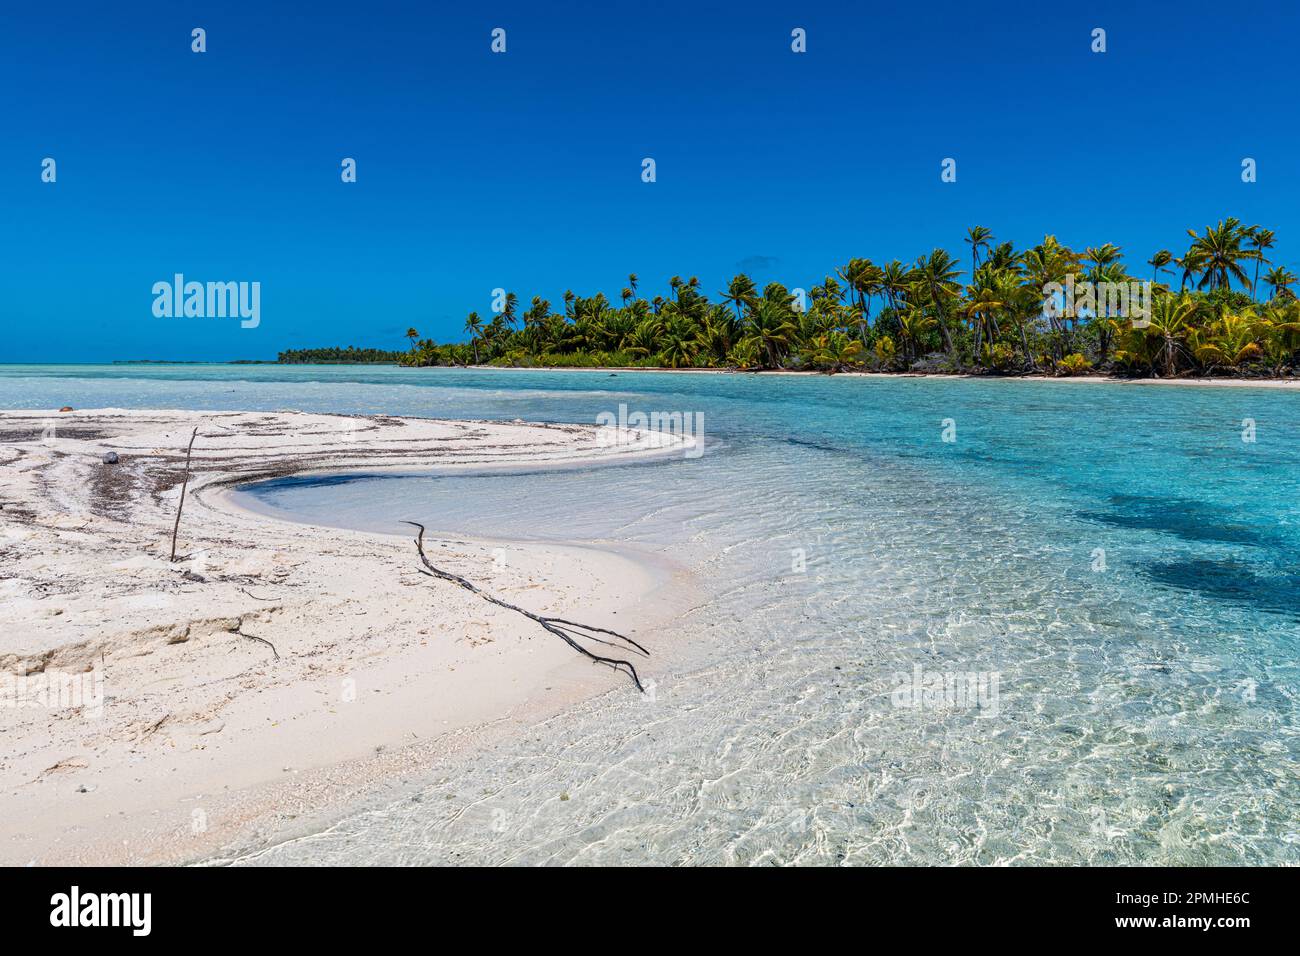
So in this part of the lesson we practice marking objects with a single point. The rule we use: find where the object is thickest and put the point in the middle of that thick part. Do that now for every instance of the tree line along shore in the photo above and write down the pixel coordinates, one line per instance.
(1222, 307)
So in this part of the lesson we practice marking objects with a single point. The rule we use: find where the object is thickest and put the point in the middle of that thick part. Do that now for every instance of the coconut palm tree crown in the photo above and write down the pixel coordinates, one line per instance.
(1217, 254)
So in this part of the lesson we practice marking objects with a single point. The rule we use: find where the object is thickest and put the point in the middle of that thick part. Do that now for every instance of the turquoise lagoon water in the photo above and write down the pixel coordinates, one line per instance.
(1111, 567)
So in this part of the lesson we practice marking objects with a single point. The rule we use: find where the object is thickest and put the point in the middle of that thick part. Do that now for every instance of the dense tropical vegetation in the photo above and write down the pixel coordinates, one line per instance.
(1221, 307)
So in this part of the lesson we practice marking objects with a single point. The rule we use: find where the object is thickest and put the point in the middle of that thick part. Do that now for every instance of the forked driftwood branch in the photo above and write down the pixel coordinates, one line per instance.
(184, 483)
(567, 631)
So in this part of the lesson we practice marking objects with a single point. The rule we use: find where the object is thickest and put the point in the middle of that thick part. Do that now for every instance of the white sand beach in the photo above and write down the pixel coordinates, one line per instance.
(273, 670)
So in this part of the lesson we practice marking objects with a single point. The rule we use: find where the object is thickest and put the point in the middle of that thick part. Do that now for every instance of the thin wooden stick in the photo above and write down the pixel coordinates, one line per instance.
(184, 484)
(254, 637)
(551, 624)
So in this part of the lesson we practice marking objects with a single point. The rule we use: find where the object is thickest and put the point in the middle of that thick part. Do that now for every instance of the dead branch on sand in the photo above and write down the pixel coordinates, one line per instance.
(253, 637)
(184, 483)
(568, 631)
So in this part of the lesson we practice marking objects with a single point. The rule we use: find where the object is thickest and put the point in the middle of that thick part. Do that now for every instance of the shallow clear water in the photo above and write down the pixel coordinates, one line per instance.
(1111, 568)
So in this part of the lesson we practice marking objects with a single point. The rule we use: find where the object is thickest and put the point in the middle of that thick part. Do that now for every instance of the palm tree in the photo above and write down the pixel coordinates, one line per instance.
(1280, 331)
(741, 293)
(1158, 263)
(1023, 305)
(1218, 254)
(643, 339)
(894, 281)
(1003, 258)
(912, 324)
(1101, 256)
(678, 343)
(1281, 279)
(1169, 325)
(937, 276)
(1106, 270)
(1260, 239)
(474, 326)
(1233, 340)
(1046, 265)
(857, 276)
(413, 336)
(1191, 264)
(982, 306)
(511, 306)
(631, 282)
(835, 351)
(771, 328)
(718, 333)
(831, 290)
(978, 237)
(863, 278)
(868, 288)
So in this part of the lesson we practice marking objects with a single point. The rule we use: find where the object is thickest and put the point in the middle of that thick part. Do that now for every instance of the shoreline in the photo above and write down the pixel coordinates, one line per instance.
(1279, 383)
(211, 737)
(1212, 381)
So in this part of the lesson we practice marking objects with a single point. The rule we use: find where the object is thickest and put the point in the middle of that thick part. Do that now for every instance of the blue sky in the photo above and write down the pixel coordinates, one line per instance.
(523, 170)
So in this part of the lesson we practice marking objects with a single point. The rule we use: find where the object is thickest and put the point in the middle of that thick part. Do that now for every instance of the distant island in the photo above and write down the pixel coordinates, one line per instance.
(191, 362)
(337, 356)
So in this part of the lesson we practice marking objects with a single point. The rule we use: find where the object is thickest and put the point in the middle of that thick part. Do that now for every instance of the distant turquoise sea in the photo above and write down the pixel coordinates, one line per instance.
(1113, 561)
